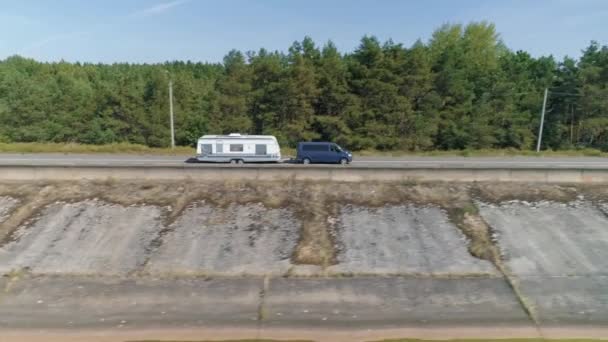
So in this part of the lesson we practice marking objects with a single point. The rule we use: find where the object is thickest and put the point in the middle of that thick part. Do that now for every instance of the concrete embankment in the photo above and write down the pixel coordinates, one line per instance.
(270, 172)
(282, 254)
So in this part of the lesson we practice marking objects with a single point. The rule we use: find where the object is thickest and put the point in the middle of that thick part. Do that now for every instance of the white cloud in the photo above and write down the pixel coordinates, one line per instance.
(146, 12)
(159, 8)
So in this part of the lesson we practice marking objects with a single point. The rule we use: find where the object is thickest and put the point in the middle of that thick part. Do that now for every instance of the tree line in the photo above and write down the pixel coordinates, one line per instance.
(462, 89)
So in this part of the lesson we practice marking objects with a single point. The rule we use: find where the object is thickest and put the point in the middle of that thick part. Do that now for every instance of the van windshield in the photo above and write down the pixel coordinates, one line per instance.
(338, 148)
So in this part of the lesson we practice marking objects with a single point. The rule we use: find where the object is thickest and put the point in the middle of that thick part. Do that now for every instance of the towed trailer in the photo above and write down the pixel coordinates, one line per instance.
(238, 148)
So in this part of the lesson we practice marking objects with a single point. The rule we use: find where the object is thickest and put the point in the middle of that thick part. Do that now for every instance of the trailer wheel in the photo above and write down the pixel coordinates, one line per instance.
(306, 161)
(240, 162)
(233, 161)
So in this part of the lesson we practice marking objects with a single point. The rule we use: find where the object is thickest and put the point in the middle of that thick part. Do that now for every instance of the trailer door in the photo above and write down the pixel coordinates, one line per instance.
(260, 149)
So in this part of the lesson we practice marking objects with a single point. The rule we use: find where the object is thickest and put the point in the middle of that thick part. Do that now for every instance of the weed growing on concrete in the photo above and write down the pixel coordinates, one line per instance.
(482, 246)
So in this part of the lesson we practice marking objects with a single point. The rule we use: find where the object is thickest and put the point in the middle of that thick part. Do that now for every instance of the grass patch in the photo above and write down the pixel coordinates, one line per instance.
(286, 152)
(511, 152)
(481, 246)
(82, 148)
(409, 340)
(467, 219)
(252, 340)
(498, 340)
(470, 209)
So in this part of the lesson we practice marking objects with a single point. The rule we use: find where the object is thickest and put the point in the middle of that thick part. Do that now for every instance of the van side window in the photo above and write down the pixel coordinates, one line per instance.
(236, 147)
(332, 148)
(314, 147)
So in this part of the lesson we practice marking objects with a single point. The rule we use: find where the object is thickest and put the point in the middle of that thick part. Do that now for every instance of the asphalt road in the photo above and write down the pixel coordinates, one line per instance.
(371, 162)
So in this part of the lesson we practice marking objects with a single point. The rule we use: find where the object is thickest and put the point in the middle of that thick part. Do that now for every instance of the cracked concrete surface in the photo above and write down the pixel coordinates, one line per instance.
(604, 208)
(98, 238)
(236, 240)
(87, 237)
(231, 260)
(110, 303)
(406, 239)
(572, 300)
(558, 252)
(551, 239)
(391, 302)
(7, 204)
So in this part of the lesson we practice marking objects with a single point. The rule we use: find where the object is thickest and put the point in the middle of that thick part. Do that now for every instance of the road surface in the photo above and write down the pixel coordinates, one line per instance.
(57, 159)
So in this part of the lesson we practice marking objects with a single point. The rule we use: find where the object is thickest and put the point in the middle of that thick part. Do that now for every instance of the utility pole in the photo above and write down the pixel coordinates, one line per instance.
(171, 113)
(542, 120)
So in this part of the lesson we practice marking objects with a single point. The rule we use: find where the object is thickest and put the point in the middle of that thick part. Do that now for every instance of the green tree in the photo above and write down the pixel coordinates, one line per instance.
(463, 89)
(234, 99)
(335, 103)
(268, 91)
(299, 95)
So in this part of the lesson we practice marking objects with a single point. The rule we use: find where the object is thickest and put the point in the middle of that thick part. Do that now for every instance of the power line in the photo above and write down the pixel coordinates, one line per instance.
(550, 93)
(577, 95)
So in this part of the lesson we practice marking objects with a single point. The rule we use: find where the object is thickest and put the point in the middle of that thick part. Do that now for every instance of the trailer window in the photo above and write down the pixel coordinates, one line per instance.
(219, 148)
(207, 148)
(236, 147)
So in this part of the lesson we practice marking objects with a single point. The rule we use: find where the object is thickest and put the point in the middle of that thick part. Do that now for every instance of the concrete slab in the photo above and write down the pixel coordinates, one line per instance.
(403, 240)
(390, 302)
(604, 208)
(87, 237)
(237, 240)
(7, 204)
(67, 302)
(551, 239)
(568, 301)
(559, 255)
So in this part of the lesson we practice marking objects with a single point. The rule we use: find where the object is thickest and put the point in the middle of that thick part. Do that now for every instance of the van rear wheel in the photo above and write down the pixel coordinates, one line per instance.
(343, 161)
(306, 161)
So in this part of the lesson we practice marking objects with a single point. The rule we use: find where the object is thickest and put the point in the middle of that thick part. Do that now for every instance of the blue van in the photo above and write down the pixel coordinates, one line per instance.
(322, 152)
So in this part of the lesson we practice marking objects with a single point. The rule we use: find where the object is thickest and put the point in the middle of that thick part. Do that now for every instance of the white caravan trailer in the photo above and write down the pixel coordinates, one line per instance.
(237, 149)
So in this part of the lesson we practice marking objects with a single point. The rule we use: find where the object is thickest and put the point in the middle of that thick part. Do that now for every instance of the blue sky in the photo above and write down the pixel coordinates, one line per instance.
(204, 30)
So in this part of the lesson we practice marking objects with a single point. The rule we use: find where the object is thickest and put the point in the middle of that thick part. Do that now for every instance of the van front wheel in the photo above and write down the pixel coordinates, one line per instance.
(306, 161)
(343, 161)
